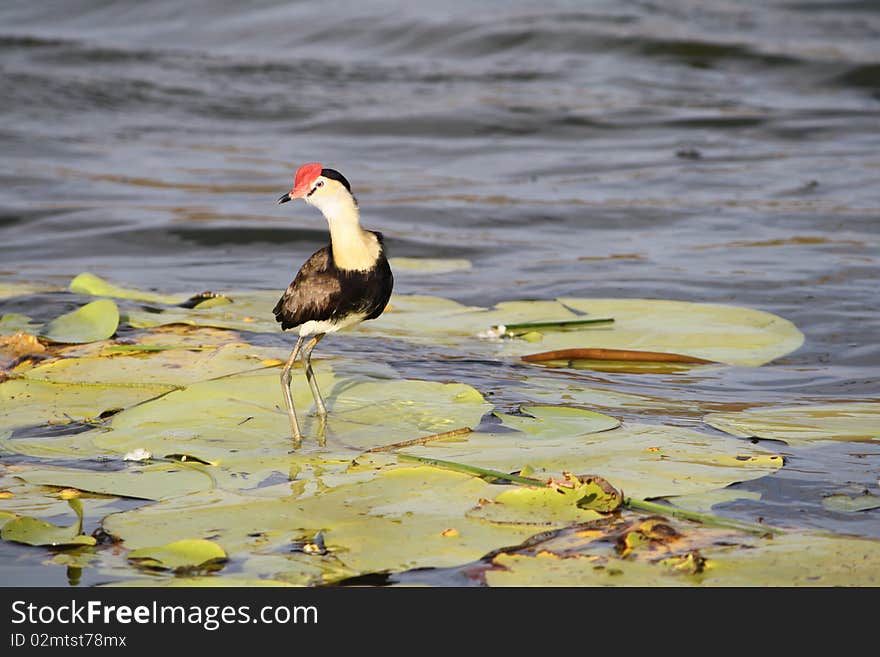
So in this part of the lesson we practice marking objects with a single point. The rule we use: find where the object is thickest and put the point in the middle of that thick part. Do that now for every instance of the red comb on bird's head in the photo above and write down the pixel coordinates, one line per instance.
(304, 178)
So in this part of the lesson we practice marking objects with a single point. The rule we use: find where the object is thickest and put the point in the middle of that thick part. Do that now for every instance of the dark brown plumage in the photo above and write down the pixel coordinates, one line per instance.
(321, 292)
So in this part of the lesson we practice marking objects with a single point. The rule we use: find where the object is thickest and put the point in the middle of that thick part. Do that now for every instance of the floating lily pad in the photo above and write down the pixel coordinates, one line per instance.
(203, 581)
(87, 283)
(608, 556)
(33, 531)
(186, 553)
(13, 323)
(801, 425)
(393, 520)
(251, 311)
(95, 321)
(559, 421)
(166, 368)
(796, 559)
(548, 569)
(847, 504)
(645, 461)
(238, 417)
(6, 516)
(25, 402)
(147, 482)
(549, 506)
(705, 501)
(726, 334)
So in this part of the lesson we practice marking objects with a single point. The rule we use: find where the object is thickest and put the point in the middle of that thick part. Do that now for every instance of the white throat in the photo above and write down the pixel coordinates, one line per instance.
(354, 249)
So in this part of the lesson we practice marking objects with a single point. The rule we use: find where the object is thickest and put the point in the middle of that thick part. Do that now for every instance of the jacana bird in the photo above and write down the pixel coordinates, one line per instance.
(344, 283)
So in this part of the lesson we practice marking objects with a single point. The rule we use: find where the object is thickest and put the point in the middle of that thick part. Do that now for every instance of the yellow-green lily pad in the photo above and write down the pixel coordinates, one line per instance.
(795, 559)
(847, 504)
(146, 482)
(726, 334)
(33, 531)
(558, 421)
(87, 283)
(721, 333)
(13, 323)
(802, 425)
(25, 402)
(95, 321)
(397, 518)
(645, 461)
(186, 553)
(212, 580)
(550, 506)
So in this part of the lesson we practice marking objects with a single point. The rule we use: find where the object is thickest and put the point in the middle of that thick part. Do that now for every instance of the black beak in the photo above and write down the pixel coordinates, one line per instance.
(284, 199)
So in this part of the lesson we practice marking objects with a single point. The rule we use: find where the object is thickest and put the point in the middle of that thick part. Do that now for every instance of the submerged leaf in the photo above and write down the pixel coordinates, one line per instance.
(95, 321)
(187, 553)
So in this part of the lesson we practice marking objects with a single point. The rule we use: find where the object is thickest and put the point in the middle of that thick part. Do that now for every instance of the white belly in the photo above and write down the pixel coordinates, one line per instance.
(326, 326)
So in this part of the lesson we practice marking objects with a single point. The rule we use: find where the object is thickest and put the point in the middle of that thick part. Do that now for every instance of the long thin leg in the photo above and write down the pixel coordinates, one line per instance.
(310, 375)
(285, 387)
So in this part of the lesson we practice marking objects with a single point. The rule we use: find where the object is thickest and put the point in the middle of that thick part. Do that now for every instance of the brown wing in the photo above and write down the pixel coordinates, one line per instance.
(313, 293)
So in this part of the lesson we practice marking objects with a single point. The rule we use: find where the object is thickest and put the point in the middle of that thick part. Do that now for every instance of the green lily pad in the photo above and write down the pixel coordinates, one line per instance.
(95, 321)
(251, 311)
(705, 501)
(548, 569)
(396, 518)
(148, 482)
(186, 553)
(559, 421)
(549, 506)
(847, 504)
(246, 420)
(13, 323)
(645, 461)
(168, 368)
(33, 531)
(801, 425)
(202, 581)
(796, 559)
(25, 402)
(87, 283)
(6, 516)
(791, 559)
(726, 334)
